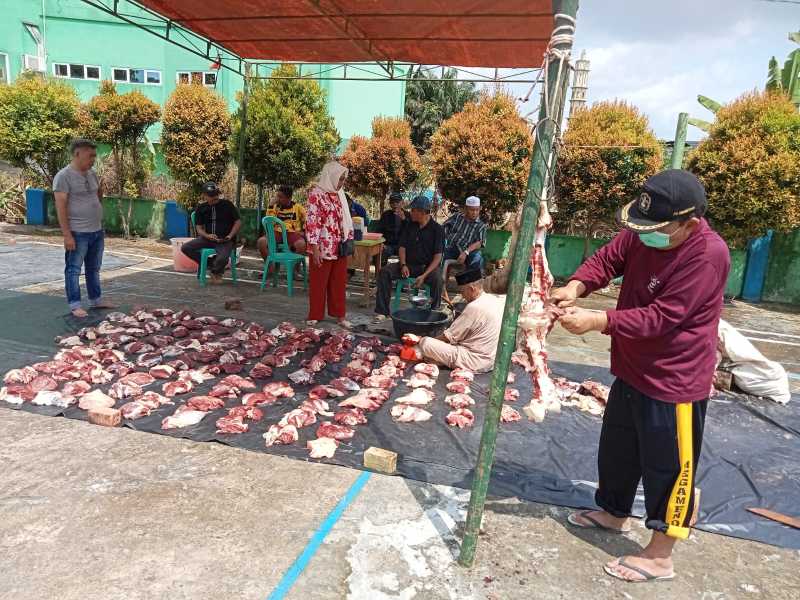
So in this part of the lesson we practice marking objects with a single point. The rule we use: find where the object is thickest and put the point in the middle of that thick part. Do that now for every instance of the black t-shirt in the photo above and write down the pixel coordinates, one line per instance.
(421, 243)
(391, 226)
(217, 219)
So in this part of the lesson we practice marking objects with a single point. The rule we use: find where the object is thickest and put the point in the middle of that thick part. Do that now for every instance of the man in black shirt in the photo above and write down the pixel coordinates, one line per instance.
(217, 221)
(392, 223)
(421, 245)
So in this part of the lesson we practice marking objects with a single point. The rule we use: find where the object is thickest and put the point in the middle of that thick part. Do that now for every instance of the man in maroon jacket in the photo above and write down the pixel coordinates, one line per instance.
(663, 352)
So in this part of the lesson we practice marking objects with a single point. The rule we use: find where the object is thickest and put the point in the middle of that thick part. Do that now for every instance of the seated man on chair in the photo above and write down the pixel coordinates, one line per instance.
(471, 341)
(293, 216)
(217, 221)
(391, 224)
(420, 249)
(466, 235)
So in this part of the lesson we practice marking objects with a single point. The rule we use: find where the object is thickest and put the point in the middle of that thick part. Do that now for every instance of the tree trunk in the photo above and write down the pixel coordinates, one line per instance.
(587, 238)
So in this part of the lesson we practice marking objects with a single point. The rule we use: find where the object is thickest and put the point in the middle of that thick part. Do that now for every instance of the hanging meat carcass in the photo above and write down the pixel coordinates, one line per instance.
(536, 319)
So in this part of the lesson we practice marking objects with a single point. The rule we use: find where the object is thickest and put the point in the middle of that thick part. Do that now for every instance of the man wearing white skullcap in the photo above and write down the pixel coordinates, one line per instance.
(466, 235)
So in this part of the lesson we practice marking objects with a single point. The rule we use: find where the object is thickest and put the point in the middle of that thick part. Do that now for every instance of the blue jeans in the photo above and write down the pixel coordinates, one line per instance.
(88, 253)
(474, 259)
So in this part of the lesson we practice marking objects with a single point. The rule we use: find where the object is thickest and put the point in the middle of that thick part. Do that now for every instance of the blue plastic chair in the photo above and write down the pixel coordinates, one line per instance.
(281, 255)
(398, 291)
(205, 256)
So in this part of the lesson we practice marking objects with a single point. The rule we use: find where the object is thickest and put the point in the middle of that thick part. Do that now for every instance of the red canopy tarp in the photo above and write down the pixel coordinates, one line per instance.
(469, 33)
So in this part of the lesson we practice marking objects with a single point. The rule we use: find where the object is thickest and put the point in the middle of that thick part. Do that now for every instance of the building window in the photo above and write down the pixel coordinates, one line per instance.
(4, 75)
(140, 76)
(76, 71)
(206, 78)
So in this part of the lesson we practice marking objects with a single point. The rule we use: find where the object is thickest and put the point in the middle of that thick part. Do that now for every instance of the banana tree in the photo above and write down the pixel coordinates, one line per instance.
(786, 79)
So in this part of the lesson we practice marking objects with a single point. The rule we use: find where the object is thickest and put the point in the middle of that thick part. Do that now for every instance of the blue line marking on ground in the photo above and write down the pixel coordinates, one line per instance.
(301, 562)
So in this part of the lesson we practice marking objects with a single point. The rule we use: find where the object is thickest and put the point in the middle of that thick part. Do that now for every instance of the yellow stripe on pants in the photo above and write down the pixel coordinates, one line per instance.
(677, 517)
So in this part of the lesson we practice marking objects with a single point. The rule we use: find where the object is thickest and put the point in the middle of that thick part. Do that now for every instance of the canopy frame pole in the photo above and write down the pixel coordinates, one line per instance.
(679, 145)
(242, 136)
(552, 105)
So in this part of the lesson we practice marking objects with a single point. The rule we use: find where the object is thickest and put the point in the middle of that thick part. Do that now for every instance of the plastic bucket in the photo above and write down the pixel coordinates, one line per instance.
(181, 262)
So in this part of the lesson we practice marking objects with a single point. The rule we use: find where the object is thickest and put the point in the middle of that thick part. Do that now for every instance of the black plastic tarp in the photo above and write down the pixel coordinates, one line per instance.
(749, 456)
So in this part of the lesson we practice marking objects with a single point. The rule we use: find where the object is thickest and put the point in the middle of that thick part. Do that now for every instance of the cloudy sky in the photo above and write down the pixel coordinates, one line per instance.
(660, 54)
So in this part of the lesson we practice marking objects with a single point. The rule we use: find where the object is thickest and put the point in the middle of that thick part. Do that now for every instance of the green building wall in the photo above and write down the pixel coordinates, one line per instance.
(75, 32)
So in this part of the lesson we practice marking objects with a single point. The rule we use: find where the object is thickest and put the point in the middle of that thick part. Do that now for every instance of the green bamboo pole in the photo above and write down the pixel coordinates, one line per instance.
(242, 136)
(542, 148)
(680, 142)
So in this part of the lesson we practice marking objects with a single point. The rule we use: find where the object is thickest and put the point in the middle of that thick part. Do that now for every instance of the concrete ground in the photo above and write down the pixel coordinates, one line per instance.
(95, 513)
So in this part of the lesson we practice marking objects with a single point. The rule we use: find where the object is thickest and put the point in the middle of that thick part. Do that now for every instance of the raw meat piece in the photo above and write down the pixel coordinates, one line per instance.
(360, 365)
(279, 389)
(318, 406)
(140, 379)
(197, 375)
(95, 399)
(511, 395)
(161, 341)
(43, 383)
(345, 384)
(138, 347)
(16, 393)
(180, 331)
(405, 413)
(232, 368)
(460, 401)
(97, 374)
(536, 319)
(205, 356)
(350, 417)
(179, 364)
(258, 399)
(183, 417)
(585, 403)
(246, 412)
(183, 315)
(240, 336)
(109, 356)
(299, 417)
(232, 357)
(143, 315)
(189, 344)
(387, 371)
(49, 367)
(565, 388)
(52, 398)
(106, 328)
(462, 375)
(231, 323)
(411, 338)
(207, 320)
(192, 325)
(134, 410)
(418, 380)
(87, 333)
(21, 376)
(261, 371)
(162, 371)
(222, 390)
(162, 312)
(511, 378)
(240, 382)
(354, 374)
(461, 418)
(324, 391)
(427, 368)
(379, 381)
(337, 432)
(369, 399)
(458, 387)
(155, 398)
(151, 327)
(135, 331)
(281, 435)
(323, 447)
(121, 390)
(395, 361)
(205, 403)
(75, 388)
(596, 390)
(301, 377)
(174, 388)
(316, 364)
(230, 424)
(149, 359)
(509, 414)
(394, 349)
(419, 397)
(70, 341)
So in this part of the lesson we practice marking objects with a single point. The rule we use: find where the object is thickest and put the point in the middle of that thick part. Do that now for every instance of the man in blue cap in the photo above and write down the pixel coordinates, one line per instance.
(420, 249)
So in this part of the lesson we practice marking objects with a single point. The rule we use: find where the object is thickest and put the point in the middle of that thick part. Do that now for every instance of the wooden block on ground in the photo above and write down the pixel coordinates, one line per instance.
(378, 459)
(107, 417)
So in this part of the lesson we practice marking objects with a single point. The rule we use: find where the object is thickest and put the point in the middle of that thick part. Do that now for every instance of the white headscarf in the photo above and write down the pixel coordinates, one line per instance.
(328, 181)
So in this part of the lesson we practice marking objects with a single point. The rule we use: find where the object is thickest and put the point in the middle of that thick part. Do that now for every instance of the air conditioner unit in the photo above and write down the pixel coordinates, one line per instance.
(33, 63)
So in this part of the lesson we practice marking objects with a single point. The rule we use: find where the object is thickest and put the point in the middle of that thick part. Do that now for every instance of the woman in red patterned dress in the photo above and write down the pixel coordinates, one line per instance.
(327, 224)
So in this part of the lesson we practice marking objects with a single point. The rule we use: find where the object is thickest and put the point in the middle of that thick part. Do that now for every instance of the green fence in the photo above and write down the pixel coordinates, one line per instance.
(147, 216)
(565, 255)
(782, 283)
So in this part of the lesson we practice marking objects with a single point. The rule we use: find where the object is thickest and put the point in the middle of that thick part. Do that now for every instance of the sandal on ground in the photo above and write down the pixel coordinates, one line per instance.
(345, 324)
(79, 313)
(379, 319)
(593, 523)
(103, 306)
(311, 322)
(648, 577)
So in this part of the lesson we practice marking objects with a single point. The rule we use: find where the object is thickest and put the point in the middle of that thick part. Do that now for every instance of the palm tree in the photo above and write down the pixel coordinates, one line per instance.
(430, 101)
